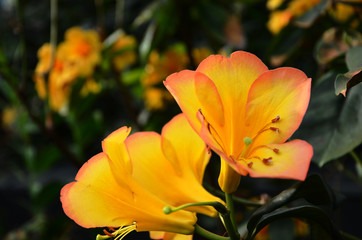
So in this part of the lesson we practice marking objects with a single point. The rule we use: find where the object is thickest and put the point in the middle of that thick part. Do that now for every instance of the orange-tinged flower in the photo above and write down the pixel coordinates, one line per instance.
(281, 18)
(135, 177)
(125, 45)
(169, 236)
(82, 48)
(245, 113)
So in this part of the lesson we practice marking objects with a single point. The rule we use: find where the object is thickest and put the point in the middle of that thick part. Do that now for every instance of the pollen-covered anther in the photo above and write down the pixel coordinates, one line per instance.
(274, 129)
(276, 150)
(267, 161)
(250, 164)
(275, 119)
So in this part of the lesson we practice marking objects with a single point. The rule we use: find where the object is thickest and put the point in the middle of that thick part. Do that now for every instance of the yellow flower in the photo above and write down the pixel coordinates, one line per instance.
(155, 98)
(274, 4)
(159, 66)
(281, 18)
(246, 113)
(82, 48)
(90, 86)
(125, 44)
(278, 20)
(343, 12)
(135, 177)
(200, 54)
(8, 117)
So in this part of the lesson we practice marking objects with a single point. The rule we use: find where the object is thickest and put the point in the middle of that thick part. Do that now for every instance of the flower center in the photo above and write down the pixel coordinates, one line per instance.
(118, 234)
(249, 142)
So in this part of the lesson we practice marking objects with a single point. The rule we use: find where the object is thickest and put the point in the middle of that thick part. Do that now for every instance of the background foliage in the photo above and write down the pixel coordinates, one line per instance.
(42, 148)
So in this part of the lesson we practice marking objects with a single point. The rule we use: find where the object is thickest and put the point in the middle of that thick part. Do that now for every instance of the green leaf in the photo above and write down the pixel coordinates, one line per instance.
(353, 58)
(344, 82)
(333, 125)
(313, 189)
(310, 16)
(145, 45)
(308, 212)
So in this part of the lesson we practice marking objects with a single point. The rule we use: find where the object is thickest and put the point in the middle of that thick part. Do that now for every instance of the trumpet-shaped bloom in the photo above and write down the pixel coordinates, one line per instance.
(245, 113)
(135, 177)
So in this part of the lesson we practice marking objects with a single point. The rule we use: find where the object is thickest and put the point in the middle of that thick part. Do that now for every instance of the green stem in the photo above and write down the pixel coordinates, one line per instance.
(217, 205)
(243, 201)
(230, 206)
(348, 236)
(233, 233)
(356, 157)
(207, 234)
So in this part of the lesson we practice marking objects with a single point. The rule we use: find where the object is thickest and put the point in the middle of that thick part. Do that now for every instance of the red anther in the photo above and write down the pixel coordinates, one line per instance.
(267, 161)
(208, 149)
(274, 129)
(250, 164)
(276, 150)
(107, 233)
(275, 119)
(201, 113)
(112, 229)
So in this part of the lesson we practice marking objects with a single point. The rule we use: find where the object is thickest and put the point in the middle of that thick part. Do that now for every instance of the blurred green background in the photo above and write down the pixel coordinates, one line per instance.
(47, 132)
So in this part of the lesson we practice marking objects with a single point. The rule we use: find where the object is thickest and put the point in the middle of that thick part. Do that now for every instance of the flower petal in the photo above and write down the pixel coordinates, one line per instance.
(233, 77)
(182, 87)
(91, 201)
(282, 92)
(291, 161)
(184, 148)
(169, 236)
(96, 200)
(115, 149)
(151, 170)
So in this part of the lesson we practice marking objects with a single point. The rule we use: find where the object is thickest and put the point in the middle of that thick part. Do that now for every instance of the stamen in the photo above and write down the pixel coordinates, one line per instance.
(107, 233)
(267, 161)
(119, 234)
(250, 164)
(275, 119)
(276, 150)
(274, 129)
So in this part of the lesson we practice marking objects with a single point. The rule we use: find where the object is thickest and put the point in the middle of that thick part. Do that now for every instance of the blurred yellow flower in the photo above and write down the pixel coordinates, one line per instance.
(76, 57)
(82, 48)
(159, 66)
(343, 12)
(200, 54)
(124, 49)
(90, 86)
(281, 18)
(8, 117)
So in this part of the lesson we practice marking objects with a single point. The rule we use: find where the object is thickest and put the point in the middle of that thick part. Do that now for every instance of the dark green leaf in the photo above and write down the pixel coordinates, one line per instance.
(310, 16)
(313, 189)
(333, 125)
(308, 212)
(354, 58)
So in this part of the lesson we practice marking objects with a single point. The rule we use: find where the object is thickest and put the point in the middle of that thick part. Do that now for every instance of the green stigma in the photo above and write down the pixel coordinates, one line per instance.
(248, 141)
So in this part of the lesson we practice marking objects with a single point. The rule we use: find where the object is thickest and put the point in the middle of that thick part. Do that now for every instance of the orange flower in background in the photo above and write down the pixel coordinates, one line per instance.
(76, 57)
(159, 66)
(246, 113)
(124, 49)
(281, 18)
(126, 186)
(82, 48)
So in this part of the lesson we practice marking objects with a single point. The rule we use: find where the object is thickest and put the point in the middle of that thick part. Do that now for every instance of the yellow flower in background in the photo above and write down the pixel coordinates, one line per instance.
(246, 113)
(200, 54)
(159, 66)
(8, 117)
(76, 57)
(82, 48)
(135, 177)
(343, 12)
(124, 49)
(278, 20)
(156, 98)
(281, 18)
